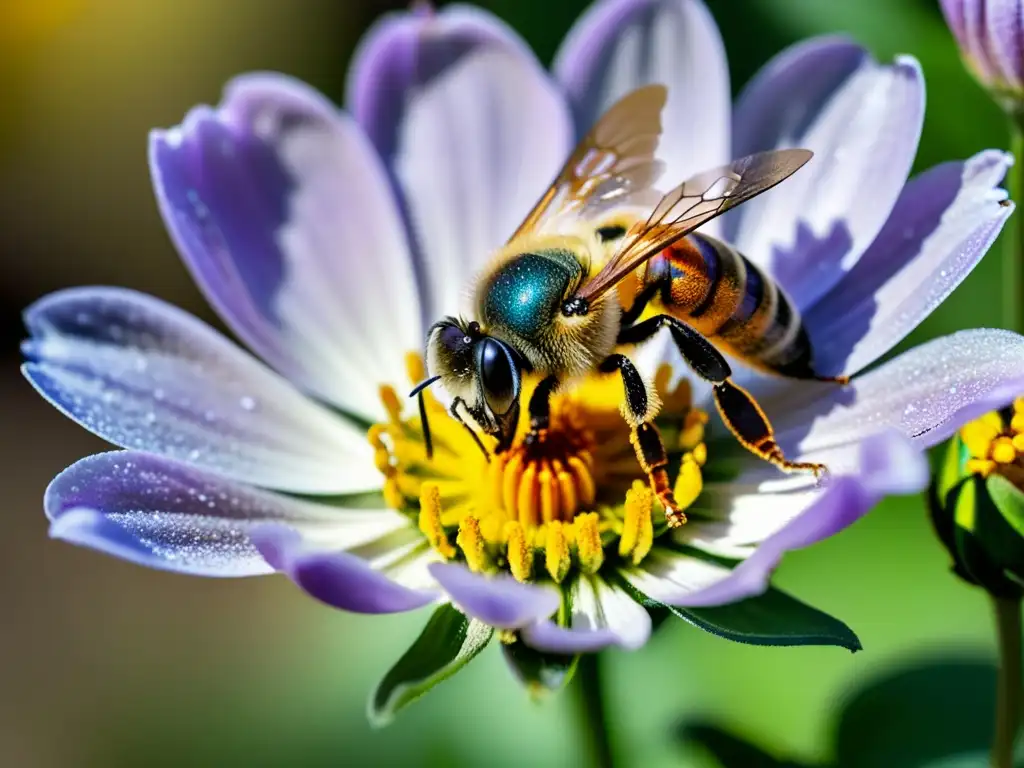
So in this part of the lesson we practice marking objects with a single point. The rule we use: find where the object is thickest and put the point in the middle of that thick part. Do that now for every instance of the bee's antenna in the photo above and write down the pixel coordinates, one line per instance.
(417, 392)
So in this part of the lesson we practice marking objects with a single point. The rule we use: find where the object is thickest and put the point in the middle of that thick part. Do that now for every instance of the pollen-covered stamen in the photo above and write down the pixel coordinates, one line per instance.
(548, 507)
(995, 443)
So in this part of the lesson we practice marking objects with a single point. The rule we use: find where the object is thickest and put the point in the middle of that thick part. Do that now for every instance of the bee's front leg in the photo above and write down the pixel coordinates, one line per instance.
(650, 450)
(540, 409)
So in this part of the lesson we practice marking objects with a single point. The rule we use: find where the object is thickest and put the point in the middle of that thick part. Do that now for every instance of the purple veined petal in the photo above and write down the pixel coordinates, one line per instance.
(404, 52)
(778, 106)
(956, 18)
(812, 229)
(943, 223)
(477, 149)
(164, 514)
(620, 45)
(602, 615)
(974, 42)
(499, 601)
(669, 576)
(346, 580)
(1004, 36)
(926, 394)
(146, 375)
(285, 216)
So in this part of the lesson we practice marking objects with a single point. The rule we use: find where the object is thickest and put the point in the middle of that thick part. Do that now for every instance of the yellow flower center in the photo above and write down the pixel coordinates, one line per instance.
(995, 443)
(570, 498)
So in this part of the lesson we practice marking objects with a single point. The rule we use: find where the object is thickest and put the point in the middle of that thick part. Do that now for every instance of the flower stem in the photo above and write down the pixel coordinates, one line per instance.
(593, 713)
(1013, 258)
(1008, 692)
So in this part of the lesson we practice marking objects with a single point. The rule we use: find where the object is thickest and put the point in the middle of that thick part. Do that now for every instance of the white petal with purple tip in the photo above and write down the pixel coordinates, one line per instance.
(286, 218)
(602, 615)
(620, 45)
(165, 514)
(943, 223)
(500, 600)
(813, 228)
(479, 146)
(916, 394)
(146, 375)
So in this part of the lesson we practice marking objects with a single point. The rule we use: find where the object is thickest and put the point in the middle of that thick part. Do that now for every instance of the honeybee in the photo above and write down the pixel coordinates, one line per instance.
(551, 302)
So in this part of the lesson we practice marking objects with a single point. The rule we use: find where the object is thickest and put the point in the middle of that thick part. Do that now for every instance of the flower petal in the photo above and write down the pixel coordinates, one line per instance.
(926, 394)
(143, 374)
(620, 45)
(285, 216)
(343, 579)
(812, 229)
(668, 576)
(1004, 36)
(602, 615)
(887, 464)
(478, 148)
(164, 514)
(500, 600)
(403, 53)
(944, 222)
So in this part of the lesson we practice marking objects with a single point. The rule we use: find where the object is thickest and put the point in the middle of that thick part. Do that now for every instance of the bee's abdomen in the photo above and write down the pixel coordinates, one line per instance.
(728, 299)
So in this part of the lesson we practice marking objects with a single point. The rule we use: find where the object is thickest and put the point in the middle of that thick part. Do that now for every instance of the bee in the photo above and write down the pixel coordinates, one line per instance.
(555, 300)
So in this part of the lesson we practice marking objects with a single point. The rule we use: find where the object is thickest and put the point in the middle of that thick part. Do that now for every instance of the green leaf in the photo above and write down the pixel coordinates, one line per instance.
(539, 672)
(1008, 500)
(772, 618)
(448, 642)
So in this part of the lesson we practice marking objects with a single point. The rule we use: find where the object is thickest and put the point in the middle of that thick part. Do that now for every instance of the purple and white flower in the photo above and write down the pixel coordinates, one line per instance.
(990, 34)
(327, 240)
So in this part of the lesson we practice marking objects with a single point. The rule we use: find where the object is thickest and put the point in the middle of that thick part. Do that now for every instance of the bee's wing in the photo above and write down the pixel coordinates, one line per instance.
(694, 202)
(612, 162)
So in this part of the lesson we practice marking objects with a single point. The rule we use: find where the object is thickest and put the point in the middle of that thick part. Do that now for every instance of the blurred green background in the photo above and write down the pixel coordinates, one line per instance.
(106, 664)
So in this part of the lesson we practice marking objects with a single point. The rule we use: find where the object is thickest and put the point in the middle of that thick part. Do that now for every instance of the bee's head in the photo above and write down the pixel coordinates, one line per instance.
(483, 372)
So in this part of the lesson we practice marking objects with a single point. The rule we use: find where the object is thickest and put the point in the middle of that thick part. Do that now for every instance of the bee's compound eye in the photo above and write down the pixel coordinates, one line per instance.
(498, 375)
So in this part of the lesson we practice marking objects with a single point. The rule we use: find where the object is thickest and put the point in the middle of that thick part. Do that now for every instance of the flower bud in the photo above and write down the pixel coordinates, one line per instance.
(991, 40)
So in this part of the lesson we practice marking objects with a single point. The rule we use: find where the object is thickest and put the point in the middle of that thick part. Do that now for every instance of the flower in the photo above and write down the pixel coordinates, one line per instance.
(328, 241)
(977, 501)
(990, 34)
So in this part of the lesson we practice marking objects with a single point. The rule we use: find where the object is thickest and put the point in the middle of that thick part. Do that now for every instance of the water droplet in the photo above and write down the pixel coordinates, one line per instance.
(247, 403)
(193, 454)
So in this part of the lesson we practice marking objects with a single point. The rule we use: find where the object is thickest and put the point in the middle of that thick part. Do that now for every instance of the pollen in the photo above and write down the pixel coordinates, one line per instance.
(570, 500)
(637, 525)
(587, 532)
(430, 520)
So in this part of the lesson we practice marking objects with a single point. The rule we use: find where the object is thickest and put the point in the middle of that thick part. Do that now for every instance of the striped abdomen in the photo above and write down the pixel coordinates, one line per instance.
(728, 299)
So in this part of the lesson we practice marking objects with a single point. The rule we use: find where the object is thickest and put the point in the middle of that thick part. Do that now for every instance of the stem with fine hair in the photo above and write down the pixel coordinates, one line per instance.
(593, 713)
(1013, 256)
(1008, 692)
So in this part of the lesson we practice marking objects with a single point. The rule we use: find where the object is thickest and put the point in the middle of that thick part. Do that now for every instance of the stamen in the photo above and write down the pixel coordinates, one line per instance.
(414, 367)
(520, 553)
(430, 520)
(557, 559)
(690, 483)
(637, 527)
(692, 433)
(472, 544)
(588, 542)
(1003, 451)
(393, 406)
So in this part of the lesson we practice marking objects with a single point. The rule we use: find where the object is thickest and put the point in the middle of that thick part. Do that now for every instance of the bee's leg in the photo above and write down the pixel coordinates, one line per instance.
(540, 409)
(740, 412)
(650, 451)
(640, 302)
(454, 411)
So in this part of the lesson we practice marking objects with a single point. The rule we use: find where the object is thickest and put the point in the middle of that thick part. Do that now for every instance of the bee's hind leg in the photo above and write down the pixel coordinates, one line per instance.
(738, 409)
(650, 450)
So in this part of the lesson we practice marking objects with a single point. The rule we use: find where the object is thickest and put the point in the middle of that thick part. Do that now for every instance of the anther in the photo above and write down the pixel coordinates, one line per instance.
(389, 398)
(430, 521)
(637, 527)
(689, 484)
(557, 559)
(414, 367)
(588, 542)
(520, 553)
(472, 544)
(1003, 451)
